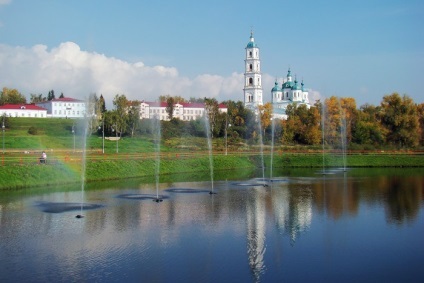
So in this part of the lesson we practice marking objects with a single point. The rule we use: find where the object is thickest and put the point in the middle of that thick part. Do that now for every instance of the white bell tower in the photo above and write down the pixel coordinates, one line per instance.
(252, 76)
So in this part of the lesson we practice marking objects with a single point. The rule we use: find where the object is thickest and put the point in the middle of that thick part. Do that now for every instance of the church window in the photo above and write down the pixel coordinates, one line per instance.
(250, 53)
(250, 81)
(250, 67)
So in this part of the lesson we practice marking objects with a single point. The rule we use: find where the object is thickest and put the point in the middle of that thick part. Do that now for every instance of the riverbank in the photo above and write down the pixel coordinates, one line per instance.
(67, 171)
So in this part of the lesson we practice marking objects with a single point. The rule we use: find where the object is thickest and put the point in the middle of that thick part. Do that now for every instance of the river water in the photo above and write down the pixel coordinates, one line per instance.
(365, 225)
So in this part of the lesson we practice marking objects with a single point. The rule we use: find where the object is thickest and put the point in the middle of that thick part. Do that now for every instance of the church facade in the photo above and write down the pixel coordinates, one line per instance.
(289, 92)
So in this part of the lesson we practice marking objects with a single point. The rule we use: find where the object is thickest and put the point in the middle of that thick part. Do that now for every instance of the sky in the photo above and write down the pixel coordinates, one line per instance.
(364, 49)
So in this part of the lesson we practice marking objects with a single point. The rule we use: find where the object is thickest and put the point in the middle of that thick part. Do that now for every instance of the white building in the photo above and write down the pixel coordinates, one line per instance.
(23, 110)
(184, 111)
(252, 76)
(290, 92)
(65, 107)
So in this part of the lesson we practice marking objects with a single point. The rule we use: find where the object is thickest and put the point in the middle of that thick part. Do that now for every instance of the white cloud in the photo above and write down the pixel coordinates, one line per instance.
(5, 2)
(77, 73)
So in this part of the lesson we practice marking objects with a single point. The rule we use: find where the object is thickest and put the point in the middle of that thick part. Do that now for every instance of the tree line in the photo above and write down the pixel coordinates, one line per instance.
(398, 122)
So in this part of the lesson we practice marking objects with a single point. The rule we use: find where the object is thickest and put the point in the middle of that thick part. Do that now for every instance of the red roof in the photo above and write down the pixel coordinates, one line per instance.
(67, 99)
(21, 107)
(184, 104)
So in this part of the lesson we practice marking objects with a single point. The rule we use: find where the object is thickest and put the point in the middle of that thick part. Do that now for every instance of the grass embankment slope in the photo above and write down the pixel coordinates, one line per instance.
(136, 158)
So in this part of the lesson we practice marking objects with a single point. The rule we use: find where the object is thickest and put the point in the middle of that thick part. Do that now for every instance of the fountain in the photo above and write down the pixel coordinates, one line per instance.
(157, 139)
(261, 144)
(209, 140)
(83, 164)
(343, 135)
(272, 148)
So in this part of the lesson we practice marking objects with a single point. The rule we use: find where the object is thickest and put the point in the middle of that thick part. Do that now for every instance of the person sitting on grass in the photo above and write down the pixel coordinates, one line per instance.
(43, 157)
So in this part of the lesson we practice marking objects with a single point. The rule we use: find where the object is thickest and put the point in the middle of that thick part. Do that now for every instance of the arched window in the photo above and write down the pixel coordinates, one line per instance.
(250, 81)
(250, 67)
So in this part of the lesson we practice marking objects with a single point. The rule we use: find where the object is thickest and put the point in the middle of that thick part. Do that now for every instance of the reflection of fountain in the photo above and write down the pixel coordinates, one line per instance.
(256, 230)
(156, 140)
(209, 140)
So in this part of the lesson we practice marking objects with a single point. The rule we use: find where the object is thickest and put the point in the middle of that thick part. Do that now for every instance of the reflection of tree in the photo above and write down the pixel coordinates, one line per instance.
(403, 200)
(336, 197)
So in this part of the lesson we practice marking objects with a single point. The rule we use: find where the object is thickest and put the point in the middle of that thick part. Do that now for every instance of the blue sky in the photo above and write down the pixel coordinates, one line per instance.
(363, 49)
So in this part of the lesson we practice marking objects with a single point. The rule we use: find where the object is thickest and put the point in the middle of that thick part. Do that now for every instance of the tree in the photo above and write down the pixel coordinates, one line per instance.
(170, 102)
(35, 98)
(420, 110)
(121, 113)
(368, 130)
(265, 112)
(50, 95)
(133, 116)
(399, 116)
(102, 104)
(61, 95)
(212, 111)
(11, 96)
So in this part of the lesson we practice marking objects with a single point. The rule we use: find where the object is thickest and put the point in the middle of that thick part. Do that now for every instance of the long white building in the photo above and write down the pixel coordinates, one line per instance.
(184, 111)
(23, 110)
(65, 107)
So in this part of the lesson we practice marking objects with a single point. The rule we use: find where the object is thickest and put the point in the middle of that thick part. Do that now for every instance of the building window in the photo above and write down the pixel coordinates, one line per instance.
(250, 67)
(250, 53)
(250, 81)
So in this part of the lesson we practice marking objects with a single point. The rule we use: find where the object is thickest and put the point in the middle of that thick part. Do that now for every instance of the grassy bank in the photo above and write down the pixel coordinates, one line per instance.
(113, 168)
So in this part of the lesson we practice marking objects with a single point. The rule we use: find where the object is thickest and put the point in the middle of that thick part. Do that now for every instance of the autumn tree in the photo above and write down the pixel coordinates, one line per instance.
(11, 96)
(212, 112)
(399, 116)
(420, 110)
(265, 112)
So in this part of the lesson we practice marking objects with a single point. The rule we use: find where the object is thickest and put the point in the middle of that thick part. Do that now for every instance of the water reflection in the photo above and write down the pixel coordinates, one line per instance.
(242, 227)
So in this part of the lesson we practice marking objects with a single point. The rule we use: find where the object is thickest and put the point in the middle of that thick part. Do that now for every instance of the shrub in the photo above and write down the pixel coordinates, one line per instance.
(32, 130)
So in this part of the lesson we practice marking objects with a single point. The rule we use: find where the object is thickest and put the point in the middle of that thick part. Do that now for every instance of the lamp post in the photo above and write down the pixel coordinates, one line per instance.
(2, 128)
(73, 133)
(226, 139)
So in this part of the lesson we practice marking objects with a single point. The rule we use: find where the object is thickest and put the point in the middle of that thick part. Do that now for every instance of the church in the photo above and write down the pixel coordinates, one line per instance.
(290, 91)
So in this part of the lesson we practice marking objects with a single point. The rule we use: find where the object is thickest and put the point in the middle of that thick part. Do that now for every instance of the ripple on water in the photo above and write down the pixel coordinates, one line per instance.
(59, 207)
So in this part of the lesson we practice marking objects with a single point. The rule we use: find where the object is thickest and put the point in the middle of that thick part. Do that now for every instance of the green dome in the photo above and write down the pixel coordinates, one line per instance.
(276, 88)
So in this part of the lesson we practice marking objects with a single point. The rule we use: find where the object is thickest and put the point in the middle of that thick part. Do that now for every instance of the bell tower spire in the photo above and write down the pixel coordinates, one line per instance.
(252, 75)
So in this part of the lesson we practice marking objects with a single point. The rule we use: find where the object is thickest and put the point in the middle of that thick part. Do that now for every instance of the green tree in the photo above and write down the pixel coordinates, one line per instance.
(367, 129)
(35, 98)
(102, 104)
(170, 103)
(133, 116)
(11, 96)
(50, 95)
(399, 116)
(121, 113)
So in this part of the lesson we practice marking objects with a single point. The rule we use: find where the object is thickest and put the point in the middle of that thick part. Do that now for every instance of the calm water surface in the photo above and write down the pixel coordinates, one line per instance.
(365, 225)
